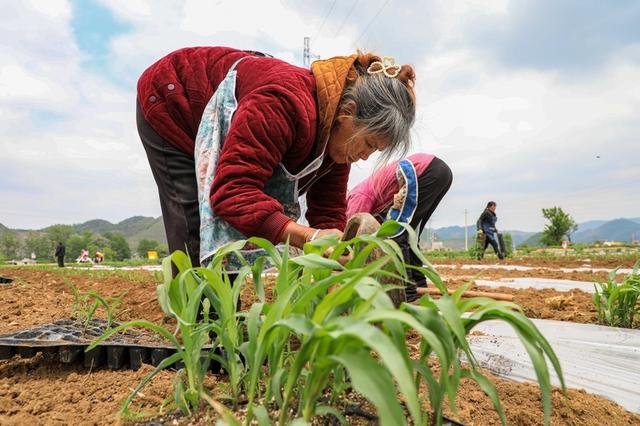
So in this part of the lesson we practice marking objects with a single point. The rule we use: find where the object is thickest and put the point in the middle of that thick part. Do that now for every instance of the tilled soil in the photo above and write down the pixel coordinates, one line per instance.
(40, 391)
(39, 296)
(567, 261)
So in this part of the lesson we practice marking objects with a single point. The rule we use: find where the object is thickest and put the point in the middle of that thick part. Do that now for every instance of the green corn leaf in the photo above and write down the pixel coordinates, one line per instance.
(181, 260)
(377, 388)
(272, 251)
(139, 323)
(228, 419)
(343, 293)
(262, 416)
(435, 389)
(256, 270)
(161, 366)
(316, 261)
(323, 410)
(393, 359)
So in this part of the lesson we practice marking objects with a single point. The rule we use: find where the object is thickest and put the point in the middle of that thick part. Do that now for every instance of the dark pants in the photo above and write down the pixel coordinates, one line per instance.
(175, 176)
(496, 247)
(60, 261)
(433, 184)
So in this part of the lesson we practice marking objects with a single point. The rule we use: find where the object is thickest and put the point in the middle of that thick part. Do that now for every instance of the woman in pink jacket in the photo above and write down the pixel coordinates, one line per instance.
(407, 191)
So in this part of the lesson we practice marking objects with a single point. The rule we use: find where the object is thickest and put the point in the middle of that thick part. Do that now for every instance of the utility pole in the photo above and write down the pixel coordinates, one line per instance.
(466, 236)
(306, 53)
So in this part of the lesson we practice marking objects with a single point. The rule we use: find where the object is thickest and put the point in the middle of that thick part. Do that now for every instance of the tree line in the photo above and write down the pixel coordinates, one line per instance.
(42, 244)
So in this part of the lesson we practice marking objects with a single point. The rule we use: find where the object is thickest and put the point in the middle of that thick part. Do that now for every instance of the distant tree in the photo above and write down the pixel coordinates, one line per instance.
(40, 244)
(163, 250)
(108, 253)
(59, 233)
(77, 242)
(98, 243)
(119, 245)
(9, 245)
(508, 244)
(560, 225)
(146, 245)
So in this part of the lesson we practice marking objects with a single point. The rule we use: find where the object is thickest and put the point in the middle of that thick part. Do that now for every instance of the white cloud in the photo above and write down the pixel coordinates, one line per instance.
(526, 138)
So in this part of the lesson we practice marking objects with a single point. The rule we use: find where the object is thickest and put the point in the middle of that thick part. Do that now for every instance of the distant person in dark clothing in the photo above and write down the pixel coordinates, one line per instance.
(487, 232)
(59, 254)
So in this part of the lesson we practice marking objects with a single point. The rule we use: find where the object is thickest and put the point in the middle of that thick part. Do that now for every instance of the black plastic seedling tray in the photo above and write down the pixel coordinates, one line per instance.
(66, 340)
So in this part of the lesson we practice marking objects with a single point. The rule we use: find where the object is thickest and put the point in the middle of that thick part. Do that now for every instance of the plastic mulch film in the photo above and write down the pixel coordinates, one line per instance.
(604, 361)
(539, 283)
(530, 268)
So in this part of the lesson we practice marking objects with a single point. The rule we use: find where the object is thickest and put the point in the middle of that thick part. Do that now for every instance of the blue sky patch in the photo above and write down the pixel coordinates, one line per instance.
(93, 27)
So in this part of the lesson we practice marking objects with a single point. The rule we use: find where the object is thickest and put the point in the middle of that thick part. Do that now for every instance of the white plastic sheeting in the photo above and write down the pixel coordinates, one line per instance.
(604, 361)
(531, 268)
(538, 283)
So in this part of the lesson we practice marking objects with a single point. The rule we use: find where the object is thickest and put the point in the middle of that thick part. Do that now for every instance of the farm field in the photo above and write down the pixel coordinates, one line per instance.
(38, 390)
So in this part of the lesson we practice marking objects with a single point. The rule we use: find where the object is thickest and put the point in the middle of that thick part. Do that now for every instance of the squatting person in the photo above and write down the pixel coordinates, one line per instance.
(408, 191)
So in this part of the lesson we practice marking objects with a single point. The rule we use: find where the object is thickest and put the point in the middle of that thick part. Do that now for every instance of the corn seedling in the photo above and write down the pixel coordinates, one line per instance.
(85, 305)
(617, 304)
(328, 330)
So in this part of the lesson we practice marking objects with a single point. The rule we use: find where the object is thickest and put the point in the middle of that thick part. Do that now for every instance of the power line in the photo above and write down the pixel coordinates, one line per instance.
(344, 21)
(369, 24)
(324, 20)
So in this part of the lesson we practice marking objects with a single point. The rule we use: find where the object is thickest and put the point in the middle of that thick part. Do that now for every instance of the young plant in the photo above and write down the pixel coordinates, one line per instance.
(617, 304)
(330, 329)
(355, 329)
(180, 297)
(85, 305)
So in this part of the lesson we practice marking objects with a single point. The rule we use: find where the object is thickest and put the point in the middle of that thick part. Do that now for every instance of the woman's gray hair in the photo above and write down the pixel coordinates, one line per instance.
(383, 106)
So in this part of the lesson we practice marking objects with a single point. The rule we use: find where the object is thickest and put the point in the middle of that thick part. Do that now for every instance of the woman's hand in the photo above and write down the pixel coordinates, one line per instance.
(319, 233)
(298, 234)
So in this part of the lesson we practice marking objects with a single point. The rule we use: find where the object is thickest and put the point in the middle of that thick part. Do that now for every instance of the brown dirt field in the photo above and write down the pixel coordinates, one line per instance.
(569, 261)
(492, 274)
(38, 296)
(38, 391)
(579, 408)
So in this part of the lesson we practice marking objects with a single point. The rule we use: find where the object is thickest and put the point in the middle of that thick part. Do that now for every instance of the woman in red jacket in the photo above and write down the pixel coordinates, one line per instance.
(233, 138)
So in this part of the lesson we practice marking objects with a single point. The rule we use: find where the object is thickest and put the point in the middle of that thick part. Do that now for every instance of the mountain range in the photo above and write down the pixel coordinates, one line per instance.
(623, 229)
(138, 227)
(133, 229)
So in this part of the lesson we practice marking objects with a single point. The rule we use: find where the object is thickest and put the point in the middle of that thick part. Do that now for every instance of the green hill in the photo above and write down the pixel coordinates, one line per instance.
(133, 229)
(97, 226)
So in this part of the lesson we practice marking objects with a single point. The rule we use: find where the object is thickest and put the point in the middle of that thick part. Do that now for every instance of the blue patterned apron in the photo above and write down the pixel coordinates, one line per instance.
(406, 176)
(283, 186)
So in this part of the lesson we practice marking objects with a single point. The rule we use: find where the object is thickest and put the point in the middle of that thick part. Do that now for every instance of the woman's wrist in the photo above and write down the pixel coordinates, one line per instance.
(297, 234)
(314, 235)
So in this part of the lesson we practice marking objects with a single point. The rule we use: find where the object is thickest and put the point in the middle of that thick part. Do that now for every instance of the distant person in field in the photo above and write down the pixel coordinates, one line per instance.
(407, 191)
(59, 254)
(234, 137)
(487, 232)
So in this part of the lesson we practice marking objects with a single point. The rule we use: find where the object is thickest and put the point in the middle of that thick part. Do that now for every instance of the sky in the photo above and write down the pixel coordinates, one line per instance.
(533, 104)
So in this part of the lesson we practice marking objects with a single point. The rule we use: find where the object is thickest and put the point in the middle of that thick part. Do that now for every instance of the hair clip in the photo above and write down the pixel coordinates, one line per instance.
(387, 66)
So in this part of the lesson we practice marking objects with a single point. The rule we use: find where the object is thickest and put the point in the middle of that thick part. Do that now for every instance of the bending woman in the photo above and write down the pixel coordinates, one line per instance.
(234, 137)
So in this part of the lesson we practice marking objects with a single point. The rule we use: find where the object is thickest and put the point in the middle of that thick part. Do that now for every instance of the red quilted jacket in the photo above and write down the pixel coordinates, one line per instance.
(276, 121)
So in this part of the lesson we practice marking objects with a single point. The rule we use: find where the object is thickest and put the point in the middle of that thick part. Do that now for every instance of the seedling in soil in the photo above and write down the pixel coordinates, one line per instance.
(330, 329)
(85, 305)
(617, 304)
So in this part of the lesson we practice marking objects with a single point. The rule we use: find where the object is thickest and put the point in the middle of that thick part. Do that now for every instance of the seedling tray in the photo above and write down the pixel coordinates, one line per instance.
(65, 340)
